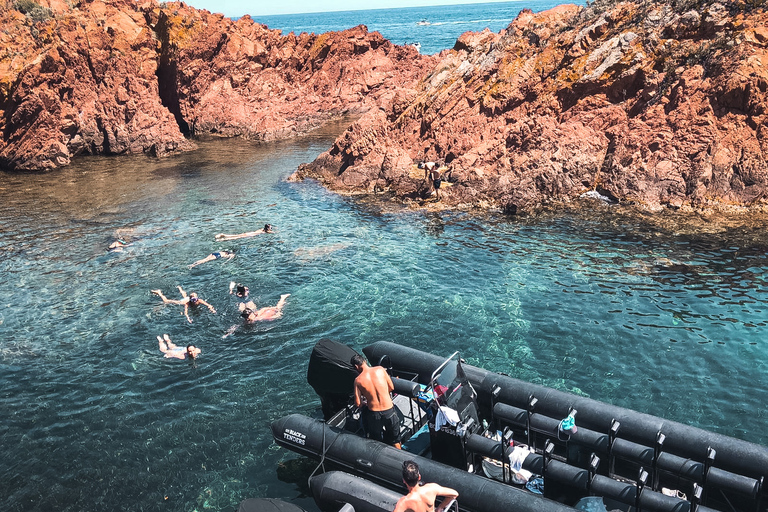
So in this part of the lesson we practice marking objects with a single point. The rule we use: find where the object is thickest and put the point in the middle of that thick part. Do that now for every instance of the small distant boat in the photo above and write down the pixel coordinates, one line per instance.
(423, 22)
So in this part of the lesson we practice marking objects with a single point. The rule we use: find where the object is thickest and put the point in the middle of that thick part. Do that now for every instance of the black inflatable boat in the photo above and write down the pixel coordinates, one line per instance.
(505, 444)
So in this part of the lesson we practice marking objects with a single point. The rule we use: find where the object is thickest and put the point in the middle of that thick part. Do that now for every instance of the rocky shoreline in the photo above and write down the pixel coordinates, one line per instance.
(651, 104)
(120, 77)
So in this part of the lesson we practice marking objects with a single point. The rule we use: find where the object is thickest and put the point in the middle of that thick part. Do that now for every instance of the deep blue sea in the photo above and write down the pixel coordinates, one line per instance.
(631, 309)
(433, 28)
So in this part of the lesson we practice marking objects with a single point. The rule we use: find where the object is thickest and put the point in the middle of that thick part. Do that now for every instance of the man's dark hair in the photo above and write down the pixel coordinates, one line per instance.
(410, 473)
(357, 360)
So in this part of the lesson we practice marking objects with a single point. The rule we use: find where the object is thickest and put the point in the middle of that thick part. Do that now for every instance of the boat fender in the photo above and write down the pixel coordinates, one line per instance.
(406, 387)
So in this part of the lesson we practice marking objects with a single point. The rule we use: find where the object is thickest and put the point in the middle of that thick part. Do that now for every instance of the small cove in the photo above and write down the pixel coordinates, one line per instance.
(613, 306)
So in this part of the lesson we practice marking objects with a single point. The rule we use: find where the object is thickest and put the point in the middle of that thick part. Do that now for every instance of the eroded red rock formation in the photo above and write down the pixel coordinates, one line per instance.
(648, 102)
(116, 76)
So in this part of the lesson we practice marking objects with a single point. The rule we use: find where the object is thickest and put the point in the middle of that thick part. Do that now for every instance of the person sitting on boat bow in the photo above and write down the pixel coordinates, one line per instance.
(421, 498)
(372, 389)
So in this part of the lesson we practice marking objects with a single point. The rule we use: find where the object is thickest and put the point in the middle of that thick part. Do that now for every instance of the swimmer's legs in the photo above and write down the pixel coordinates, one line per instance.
(159, 293)
(281, 302)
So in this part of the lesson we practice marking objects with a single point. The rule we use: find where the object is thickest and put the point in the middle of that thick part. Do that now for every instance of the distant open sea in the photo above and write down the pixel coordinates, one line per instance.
(434, 28)
(671, 322)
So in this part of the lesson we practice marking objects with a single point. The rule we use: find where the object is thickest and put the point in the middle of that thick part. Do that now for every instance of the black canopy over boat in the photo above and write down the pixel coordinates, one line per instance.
(505, 444)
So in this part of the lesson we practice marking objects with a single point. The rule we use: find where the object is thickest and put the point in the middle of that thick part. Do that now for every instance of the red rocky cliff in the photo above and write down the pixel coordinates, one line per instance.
(651, 103)
(116, 77)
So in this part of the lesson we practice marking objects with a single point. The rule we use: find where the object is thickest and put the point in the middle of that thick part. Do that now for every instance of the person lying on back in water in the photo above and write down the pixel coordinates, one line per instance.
(372, 389)
(267, 229)
(421, 498)
(186, 301)
(168, 348)
(228, 255)
(251, 314)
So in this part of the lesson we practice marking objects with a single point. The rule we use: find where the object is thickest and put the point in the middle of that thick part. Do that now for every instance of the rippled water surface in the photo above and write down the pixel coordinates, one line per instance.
(94, 418)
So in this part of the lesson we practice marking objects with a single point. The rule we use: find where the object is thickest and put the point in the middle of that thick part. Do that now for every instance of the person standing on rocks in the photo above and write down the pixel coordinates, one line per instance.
(432, 172)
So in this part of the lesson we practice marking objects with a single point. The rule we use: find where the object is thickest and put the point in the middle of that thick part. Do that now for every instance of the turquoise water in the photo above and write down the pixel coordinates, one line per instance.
(93, 417)
(434, 28)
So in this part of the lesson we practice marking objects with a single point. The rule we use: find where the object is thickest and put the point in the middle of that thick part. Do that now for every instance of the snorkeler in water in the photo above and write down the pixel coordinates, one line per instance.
(251, 314)
(117, 245)
(238, 289)
(186, 300)
(227, 255)
(267, 229)
(168, 348)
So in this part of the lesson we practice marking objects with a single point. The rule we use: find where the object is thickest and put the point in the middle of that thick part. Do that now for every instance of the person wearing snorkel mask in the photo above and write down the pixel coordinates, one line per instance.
(187, 300)
(117, 245)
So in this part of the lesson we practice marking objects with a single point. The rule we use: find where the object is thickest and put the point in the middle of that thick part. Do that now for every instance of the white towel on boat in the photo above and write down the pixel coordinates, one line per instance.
(446, 415)
(517, 457)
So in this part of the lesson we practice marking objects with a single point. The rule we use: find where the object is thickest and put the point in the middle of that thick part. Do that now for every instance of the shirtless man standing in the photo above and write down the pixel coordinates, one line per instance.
(421, 498)
(372, 388)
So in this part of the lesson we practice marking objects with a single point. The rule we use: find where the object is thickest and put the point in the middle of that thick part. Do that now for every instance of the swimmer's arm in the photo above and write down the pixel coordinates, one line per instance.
(181, 290)
(208, 305)
(186, 312)
(230, 331)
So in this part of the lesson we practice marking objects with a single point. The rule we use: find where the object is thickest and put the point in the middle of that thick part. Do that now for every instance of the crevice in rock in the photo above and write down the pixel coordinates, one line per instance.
(167, 73)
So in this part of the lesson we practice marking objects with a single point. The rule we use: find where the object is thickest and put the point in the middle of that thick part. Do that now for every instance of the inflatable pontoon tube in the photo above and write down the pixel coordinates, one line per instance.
(734, 455)
(333, 489)
(383, 465)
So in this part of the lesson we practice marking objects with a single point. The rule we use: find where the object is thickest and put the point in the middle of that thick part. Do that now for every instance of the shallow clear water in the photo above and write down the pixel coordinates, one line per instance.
(93, 417)
(433, 28)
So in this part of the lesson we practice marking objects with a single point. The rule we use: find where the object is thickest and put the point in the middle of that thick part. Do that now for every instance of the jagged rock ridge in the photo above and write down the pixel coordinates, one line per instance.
(116, 77)
(654, 103)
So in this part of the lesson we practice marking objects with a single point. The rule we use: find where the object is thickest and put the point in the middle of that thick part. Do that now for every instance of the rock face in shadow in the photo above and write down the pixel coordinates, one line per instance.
(119, 77)
(651, 103)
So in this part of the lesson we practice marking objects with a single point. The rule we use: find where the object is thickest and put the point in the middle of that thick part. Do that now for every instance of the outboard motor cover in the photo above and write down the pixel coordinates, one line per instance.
(331, 375)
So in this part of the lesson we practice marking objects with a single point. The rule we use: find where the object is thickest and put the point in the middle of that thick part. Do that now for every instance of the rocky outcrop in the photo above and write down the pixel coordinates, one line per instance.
(117, 77)
(652, 103)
